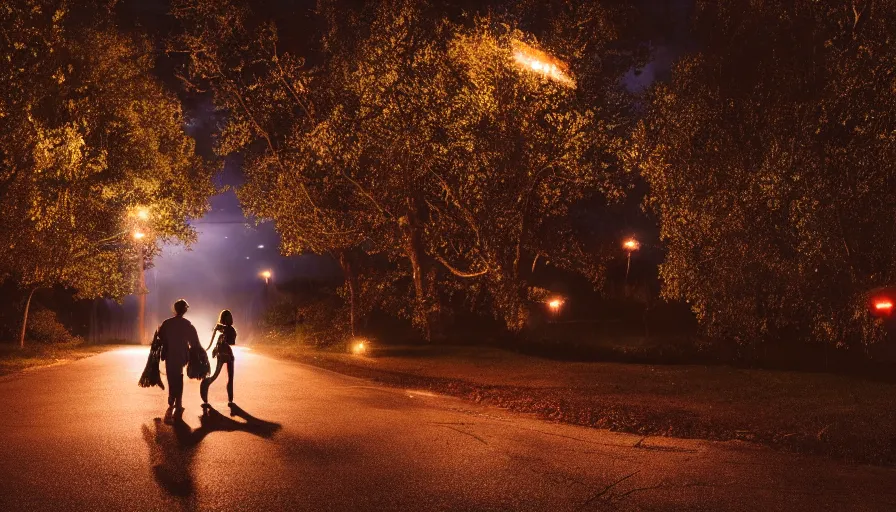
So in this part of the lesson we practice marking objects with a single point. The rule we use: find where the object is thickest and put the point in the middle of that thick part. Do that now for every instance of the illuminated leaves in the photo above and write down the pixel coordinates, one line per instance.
(95, 136)
(415, 139)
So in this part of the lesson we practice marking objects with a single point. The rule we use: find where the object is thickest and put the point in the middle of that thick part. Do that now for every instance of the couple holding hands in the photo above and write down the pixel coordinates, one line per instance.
(177, 343)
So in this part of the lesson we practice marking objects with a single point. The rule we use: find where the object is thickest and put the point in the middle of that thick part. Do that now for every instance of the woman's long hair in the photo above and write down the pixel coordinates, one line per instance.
(225, 318)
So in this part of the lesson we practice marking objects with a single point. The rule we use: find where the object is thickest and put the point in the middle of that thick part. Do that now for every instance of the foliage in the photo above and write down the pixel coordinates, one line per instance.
(44, 327)
(530, 150)
(91, 137)
(414, 139)
(770, 161)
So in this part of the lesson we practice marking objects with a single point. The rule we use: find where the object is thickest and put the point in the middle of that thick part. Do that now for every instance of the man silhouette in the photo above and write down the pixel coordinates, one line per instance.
(178, 337)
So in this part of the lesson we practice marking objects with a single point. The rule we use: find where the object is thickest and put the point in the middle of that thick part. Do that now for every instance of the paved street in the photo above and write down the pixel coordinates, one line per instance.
(83, 436)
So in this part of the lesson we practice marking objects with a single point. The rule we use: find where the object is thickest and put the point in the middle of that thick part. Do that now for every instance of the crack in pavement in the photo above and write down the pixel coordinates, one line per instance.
(606, 489)
(474, 436)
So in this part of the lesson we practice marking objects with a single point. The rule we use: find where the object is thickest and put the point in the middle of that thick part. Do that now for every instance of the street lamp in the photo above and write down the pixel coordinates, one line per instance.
(554, 305)
(267, 276)
(141, 292)
(359, 346)
(536, 61)
(630, 245)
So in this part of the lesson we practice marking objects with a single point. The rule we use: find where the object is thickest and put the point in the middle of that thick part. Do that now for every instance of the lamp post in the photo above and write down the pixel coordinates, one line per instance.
(141, 292)
(141, 214)
(630, 245)
(554, 305)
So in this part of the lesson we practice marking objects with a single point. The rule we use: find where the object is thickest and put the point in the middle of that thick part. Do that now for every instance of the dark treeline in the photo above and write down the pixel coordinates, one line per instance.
(466, 163)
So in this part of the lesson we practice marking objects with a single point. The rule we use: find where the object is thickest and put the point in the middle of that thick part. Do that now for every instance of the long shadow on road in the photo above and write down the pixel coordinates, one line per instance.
(172, 448)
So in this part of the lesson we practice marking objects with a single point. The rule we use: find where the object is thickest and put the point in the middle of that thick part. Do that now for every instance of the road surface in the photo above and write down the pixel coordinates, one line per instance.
(83, 436)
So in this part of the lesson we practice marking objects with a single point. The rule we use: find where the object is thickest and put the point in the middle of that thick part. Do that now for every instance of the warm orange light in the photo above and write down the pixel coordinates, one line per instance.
(555, 304)
(266, 275)
(139, 235)
(631, 245)
(533, 59)
(359, 346)
(142, 213)
(883, 305)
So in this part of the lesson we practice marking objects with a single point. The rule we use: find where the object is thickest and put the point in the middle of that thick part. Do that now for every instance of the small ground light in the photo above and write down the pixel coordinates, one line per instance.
(359, 346)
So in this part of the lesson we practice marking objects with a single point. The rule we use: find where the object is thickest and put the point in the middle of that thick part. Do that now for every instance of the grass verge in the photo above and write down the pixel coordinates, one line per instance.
(837, 416)
(14, 359)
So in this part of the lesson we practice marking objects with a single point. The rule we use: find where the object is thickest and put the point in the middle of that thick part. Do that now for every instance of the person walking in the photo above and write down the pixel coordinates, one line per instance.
(178, 337)
(224, 354)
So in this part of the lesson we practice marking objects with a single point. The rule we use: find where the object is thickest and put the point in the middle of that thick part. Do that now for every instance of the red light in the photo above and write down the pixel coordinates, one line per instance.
(883, 305)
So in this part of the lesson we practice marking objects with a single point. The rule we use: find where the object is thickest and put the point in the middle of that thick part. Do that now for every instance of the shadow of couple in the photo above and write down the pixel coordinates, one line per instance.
(173, 447)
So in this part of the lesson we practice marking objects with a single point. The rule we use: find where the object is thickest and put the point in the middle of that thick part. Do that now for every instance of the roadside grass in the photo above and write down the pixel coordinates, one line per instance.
(838, 416)
(14, 359)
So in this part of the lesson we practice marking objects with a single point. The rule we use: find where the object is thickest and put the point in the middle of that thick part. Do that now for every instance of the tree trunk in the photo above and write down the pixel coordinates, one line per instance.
(426, 305)
(25, 319)
(350, 275)
(519, 312)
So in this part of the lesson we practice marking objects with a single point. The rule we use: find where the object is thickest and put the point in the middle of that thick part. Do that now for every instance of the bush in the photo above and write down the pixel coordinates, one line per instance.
(319, 320)
(44, 327)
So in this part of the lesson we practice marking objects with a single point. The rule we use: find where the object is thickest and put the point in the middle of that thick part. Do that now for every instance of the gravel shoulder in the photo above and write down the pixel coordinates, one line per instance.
(837, 416)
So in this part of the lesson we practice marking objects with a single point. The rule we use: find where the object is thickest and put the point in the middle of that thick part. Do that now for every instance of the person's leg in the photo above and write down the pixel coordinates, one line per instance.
(206, 382)
(230, 380)
(171, 389)
(177, 389)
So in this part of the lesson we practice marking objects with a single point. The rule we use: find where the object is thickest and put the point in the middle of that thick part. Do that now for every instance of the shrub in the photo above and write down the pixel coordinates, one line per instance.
(44, 327)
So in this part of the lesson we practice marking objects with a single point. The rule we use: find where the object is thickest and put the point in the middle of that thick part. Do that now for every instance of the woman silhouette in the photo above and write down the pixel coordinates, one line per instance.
(224, 354)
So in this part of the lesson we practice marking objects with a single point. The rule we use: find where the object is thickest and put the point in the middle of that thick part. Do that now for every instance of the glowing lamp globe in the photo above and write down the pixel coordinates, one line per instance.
(882, 301)
(631, 245)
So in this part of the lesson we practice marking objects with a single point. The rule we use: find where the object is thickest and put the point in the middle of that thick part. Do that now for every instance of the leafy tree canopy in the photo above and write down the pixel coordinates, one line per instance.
(770, 158)
(95, 151)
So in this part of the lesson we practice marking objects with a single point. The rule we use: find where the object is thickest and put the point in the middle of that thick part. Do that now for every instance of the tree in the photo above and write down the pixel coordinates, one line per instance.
(527, 151)
(415, 138)
(99, 151)
(770, 162)
(276, 115)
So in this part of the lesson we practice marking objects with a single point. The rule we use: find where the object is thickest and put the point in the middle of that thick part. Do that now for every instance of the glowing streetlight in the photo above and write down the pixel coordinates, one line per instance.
(359, 346)
(630, 245)
(536, 61)
(142, 213)
(141, 295)
(267, 276)
(881, 303)
(883, 306)
(554, 305)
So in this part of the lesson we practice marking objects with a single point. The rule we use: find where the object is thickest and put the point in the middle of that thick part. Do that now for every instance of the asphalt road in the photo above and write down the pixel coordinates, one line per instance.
(83, 436)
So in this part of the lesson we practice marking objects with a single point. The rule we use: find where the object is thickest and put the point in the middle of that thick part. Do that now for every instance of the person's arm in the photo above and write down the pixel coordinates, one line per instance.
(231, 335)
(194, 338)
